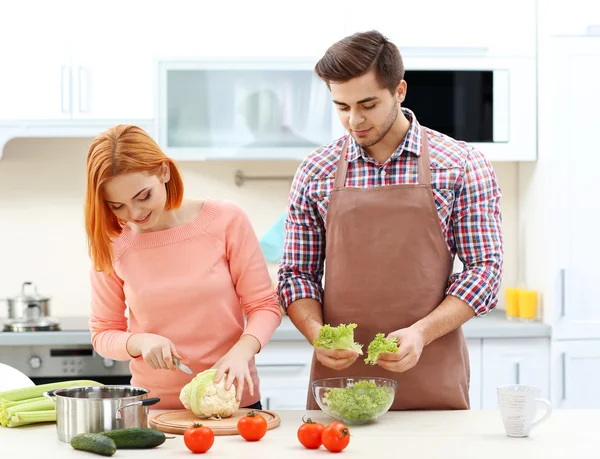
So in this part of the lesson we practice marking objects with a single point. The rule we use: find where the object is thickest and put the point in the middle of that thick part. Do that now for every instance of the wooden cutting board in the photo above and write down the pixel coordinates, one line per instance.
(178, 421)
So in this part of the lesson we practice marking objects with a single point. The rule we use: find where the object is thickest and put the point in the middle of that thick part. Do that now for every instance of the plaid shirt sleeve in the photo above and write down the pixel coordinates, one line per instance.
(477, 231)
(301, 266)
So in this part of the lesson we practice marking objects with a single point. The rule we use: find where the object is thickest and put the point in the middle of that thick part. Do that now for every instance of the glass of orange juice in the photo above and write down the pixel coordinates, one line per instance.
(528, 305)
(511, 295)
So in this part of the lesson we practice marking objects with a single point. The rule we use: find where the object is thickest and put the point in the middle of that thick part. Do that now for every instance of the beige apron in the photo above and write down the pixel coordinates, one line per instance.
(387, 266)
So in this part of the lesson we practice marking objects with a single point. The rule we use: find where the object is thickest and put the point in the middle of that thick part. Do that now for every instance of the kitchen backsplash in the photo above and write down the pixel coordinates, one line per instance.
(42, 236)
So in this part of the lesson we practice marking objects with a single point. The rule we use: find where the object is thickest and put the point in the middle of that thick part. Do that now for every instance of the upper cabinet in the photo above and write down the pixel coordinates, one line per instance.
(460, 26)
(78, 64)
(35, 64)
(572, 17)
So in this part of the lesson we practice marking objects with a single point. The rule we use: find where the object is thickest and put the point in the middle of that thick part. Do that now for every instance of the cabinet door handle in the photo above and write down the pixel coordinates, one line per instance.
(518, 372)
(65, 89)
(268, 403)
(563, 358)
(563, 292)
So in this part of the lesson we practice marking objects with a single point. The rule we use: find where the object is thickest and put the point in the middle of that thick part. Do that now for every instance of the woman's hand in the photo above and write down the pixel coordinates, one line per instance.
(234, 365)
(157, 351)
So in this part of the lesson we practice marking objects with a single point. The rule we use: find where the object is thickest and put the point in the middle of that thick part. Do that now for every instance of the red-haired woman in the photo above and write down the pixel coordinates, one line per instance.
(188, 270)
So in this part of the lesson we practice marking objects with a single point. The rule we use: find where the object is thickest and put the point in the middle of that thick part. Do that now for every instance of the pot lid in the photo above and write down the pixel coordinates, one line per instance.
(29, 293)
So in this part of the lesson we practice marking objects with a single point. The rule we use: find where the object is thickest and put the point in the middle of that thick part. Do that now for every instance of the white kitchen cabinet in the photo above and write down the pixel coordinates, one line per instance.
(474, 346)
(514, 361)
(284, 371)
(112, 61)
(35, 60)
(574, 116)
(461, 26)
(238, 28)
(572, 17)
(576, 374)
(69, 61)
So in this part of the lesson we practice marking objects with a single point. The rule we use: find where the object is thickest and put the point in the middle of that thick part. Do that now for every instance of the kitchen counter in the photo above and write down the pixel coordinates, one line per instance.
(75, 331)
(417, 434)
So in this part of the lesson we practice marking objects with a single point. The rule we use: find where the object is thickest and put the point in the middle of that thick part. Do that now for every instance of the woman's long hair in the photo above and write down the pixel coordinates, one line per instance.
(122, 149)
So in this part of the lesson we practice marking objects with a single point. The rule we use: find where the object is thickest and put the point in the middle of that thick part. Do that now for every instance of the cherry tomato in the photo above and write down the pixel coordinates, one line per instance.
(309, 433)
(198, 438)
(252, 426)
(336, 437)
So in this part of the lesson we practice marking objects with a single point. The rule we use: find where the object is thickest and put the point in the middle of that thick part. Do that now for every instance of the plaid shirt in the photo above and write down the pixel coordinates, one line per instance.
(465, 191)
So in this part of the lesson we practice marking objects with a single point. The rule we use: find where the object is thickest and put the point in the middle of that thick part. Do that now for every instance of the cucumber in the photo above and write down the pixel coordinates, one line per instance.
(136, 438)
(94, 443)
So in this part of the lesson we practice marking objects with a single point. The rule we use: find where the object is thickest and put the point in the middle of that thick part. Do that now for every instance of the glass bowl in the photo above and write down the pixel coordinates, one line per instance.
(354, 400)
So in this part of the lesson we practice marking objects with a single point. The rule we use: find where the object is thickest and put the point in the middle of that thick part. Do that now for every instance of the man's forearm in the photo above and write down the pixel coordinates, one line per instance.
(307, 315)
(448, 316)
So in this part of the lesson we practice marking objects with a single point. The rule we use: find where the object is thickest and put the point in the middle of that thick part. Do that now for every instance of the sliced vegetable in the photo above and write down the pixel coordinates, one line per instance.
(380, 344)
(94, 443)
(136, 438)
(252, 426)
(340, 337)
(198, 438)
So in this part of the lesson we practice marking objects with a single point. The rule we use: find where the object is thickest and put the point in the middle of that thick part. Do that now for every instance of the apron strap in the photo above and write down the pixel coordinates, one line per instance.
(424, 162)
(342, 168)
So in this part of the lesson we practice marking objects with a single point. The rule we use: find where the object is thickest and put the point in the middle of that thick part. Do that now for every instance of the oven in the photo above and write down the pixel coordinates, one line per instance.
(62, 353)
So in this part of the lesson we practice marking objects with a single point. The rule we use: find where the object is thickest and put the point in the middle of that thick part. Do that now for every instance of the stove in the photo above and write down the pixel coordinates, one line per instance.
(60, 353)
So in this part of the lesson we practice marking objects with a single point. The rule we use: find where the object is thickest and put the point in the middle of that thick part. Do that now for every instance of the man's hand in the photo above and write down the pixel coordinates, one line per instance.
(410, 347)
(337, 359)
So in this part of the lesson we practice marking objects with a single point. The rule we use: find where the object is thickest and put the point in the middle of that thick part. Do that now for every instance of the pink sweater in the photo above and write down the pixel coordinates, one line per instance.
(191, 284)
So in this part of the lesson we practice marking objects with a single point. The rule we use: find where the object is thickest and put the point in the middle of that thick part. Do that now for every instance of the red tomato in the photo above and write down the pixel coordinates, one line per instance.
(198, 438)
(336, 437)
(252, 427)
(309, 434)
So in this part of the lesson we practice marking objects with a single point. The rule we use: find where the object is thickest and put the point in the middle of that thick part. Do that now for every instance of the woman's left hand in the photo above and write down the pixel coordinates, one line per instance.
(234, 366)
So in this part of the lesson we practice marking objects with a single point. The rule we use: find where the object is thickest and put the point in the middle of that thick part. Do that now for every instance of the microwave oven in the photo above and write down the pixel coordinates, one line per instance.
(279, 109)
(490, 103)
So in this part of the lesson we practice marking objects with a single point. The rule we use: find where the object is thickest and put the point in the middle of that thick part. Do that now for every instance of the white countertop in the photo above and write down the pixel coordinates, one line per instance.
(75, 331)
(407, 435)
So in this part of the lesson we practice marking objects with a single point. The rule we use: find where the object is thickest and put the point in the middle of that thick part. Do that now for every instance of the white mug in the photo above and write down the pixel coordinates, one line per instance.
(518, 406)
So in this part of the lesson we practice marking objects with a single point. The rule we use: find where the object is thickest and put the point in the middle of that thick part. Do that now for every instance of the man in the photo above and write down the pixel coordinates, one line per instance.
(387, 209)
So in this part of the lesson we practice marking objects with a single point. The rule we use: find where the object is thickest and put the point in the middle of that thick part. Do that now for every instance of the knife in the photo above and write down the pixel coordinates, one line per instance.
(183, 367)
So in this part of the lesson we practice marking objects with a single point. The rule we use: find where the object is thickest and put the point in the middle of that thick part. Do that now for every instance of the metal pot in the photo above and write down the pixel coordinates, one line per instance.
(28, 306)
(92, 409)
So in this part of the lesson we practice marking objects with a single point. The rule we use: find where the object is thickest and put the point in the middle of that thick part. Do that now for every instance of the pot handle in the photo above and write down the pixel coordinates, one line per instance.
(50, 395)
(146, 402)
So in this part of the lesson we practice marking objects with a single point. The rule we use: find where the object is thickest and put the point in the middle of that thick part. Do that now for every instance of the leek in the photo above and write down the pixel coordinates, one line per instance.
(31, 417)
(19, 407)
(26, 393)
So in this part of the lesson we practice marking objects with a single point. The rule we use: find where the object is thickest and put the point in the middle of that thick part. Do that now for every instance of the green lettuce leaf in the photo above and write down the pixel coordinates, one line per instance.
(378, 345)
(340, 337)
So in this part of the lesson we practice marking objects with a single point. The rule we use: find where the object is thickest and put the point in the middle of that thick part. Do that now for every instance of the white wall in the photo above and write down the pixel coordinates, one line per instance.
(42, 237)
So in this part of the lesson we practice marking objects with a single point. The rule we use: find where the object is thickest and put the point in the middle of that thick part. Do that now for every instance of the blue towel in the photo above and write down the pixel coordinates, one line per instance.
(272, 241)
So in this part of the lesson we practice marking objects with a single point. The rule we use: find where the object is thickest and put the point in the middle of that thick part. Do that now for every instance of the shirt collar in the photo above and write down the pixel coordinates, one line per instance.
(411, 142)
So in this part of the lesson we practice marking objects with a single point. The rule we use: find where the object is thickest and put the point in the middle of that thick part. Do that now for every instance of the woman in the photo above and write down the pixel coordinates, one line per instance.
(187, 269)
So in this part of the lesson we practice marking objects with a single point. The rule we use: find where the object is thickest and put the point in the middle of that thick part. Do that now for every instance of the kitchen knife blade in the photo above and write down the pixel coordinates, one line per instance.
(183, 367)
